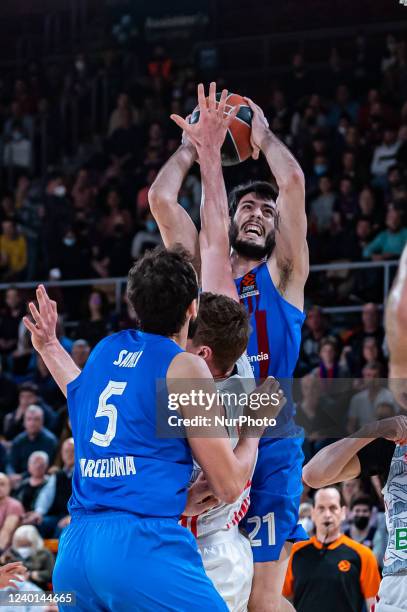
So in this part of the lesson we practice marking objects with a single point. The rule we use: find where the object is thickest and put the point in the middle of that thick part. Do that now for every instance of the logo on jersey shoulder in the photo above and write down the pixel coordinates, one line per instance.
(401, 538)
(127, 359)
(248, 286)
(344, 566)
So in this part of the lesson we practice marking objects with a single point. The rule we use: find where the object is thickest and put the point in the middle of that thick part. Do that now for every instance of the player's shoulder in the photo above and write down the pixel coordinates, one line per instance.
(303, 544)
(362, 550)
(188, 365)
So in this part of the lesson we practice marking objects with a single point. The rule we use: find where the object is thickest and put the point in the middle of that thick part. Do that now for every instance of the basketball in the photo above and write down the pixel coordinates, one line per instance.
(236, 147)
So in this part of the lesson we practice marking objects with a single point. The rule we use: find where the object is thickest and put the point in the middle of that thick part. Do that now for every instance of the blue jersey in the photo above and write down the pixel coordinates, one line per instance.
(120, 463)
(275, 339)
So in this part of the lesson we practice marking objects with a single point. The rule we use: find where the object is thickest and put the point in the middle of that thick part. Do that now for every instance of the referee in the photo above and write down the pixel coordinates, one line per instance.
(330, 572)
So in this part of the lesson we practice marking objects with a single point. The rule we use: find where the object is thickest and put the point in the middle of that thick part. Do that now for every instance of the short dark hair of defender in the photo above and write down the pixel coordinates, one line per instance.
(223, 325)
(261, 189)
(160, 287)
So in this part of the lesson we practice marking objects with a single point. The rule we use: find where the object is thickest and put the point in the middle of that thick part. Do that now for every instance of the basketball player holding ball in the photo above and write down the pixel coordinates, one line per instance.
(270, 266)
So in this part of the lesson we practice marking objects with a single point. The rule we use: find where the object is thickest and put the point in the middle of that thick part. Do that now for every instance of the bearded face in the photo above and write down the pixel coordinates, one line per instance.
(252, 230)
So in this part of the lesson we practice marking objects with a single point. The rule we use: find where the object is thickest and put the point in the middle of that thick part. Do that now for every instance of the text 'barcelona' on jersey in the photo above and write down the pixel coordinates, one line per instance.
(275, 337)
(120, 463)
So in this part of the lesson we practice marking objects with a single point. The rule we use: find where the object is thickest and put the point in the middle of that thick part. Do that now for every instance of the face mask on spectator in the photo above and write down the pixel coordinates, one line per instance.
(307, 524)
(320, 169)
(17, 135)
(80, 65)
(361, 522)
(69, 241)
(151, 225)
(60, 191)
(24, 551)
(342, 130)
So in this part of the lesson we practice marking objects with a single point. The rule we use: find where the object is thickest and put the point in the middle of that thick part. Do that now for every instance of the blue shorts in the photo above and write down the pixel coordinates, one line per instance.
(272, 518)
(118, 562)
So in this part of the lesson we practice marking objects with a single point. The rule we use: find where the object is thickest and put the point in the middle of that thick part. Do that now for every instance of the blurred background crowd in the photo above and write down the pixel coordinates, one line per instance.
(84, 129)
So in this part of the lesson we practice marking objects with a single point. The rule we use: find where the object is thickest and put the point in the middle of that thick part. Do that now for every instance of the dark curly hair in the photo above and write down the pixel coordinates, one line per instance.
(160, 287)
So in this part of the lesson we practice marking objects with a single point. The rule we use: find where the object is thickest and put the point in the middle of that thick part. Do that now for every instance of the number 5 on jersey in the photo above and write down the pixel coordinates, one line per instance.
(109, 411)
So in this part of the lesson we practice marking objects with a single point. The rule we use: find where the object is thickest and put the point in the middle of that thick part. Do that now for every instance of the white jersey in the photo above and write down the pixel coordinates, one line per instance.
(395, 498)
(224, 516)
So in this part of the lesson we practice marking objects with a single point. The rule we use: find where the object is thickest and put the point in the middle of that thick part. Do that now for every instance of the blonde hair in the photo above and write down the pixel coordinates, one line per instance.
(29, 532)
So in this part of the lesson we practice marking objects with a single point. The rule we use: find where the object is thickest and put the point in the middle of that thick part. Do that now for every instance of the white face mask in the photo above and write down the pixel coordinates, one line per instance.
(307, 524)
(24, 551)
(60, 191)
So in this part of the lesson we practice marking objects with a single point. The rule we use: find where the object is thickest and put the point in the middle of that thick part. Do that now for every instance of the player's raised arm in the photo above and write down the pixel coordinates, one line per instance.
(175, 224)
(291, 261)
(396, 332)
(207, 135)
(44, 340)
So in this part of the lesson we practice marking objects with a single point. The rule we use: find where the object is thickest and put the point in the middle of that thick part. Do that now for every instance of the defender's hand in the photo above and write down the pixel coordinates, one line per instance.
(210, 130)
(200, 497)
(12, 572)
(43, 330)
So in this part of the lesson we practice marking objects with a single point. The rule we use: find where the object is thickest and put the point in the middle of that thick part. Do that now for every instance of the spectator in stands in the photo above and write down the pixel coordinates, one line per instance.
(360, 528)
(71, 261)
(322, 208)
(363, 405)
(356, 579)
(147, 238)
(27, 396)
(142, 195)
(388, 244)
(368, 208)
(58, 217)
(28, 547)
(125, 104)
(11, 512)
(80, 352)
(115, 214)
(371, 328)
(10, 319)
(315, 328)
(18, 149)
(35, 437)
(123, 143)
(384, 157)
(51, 508)
(329, 366)
(30, 487)
(370, 352)
(13, 252)
(47, 388)
(360, 238)
(95, 326)
(347, 199)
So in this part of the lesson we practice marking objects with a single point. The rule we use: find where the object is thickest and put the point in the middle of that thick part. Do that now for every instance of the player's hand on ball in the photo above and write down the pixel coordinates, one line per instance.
(210, 130)
(200, 497)
(260, 128)
(11, 573)
(43, 329)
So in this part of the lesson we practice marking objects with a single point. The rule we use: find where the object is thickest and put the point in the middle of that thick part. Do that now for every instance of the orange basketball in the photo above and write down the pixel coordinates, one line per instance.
(236, 147)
